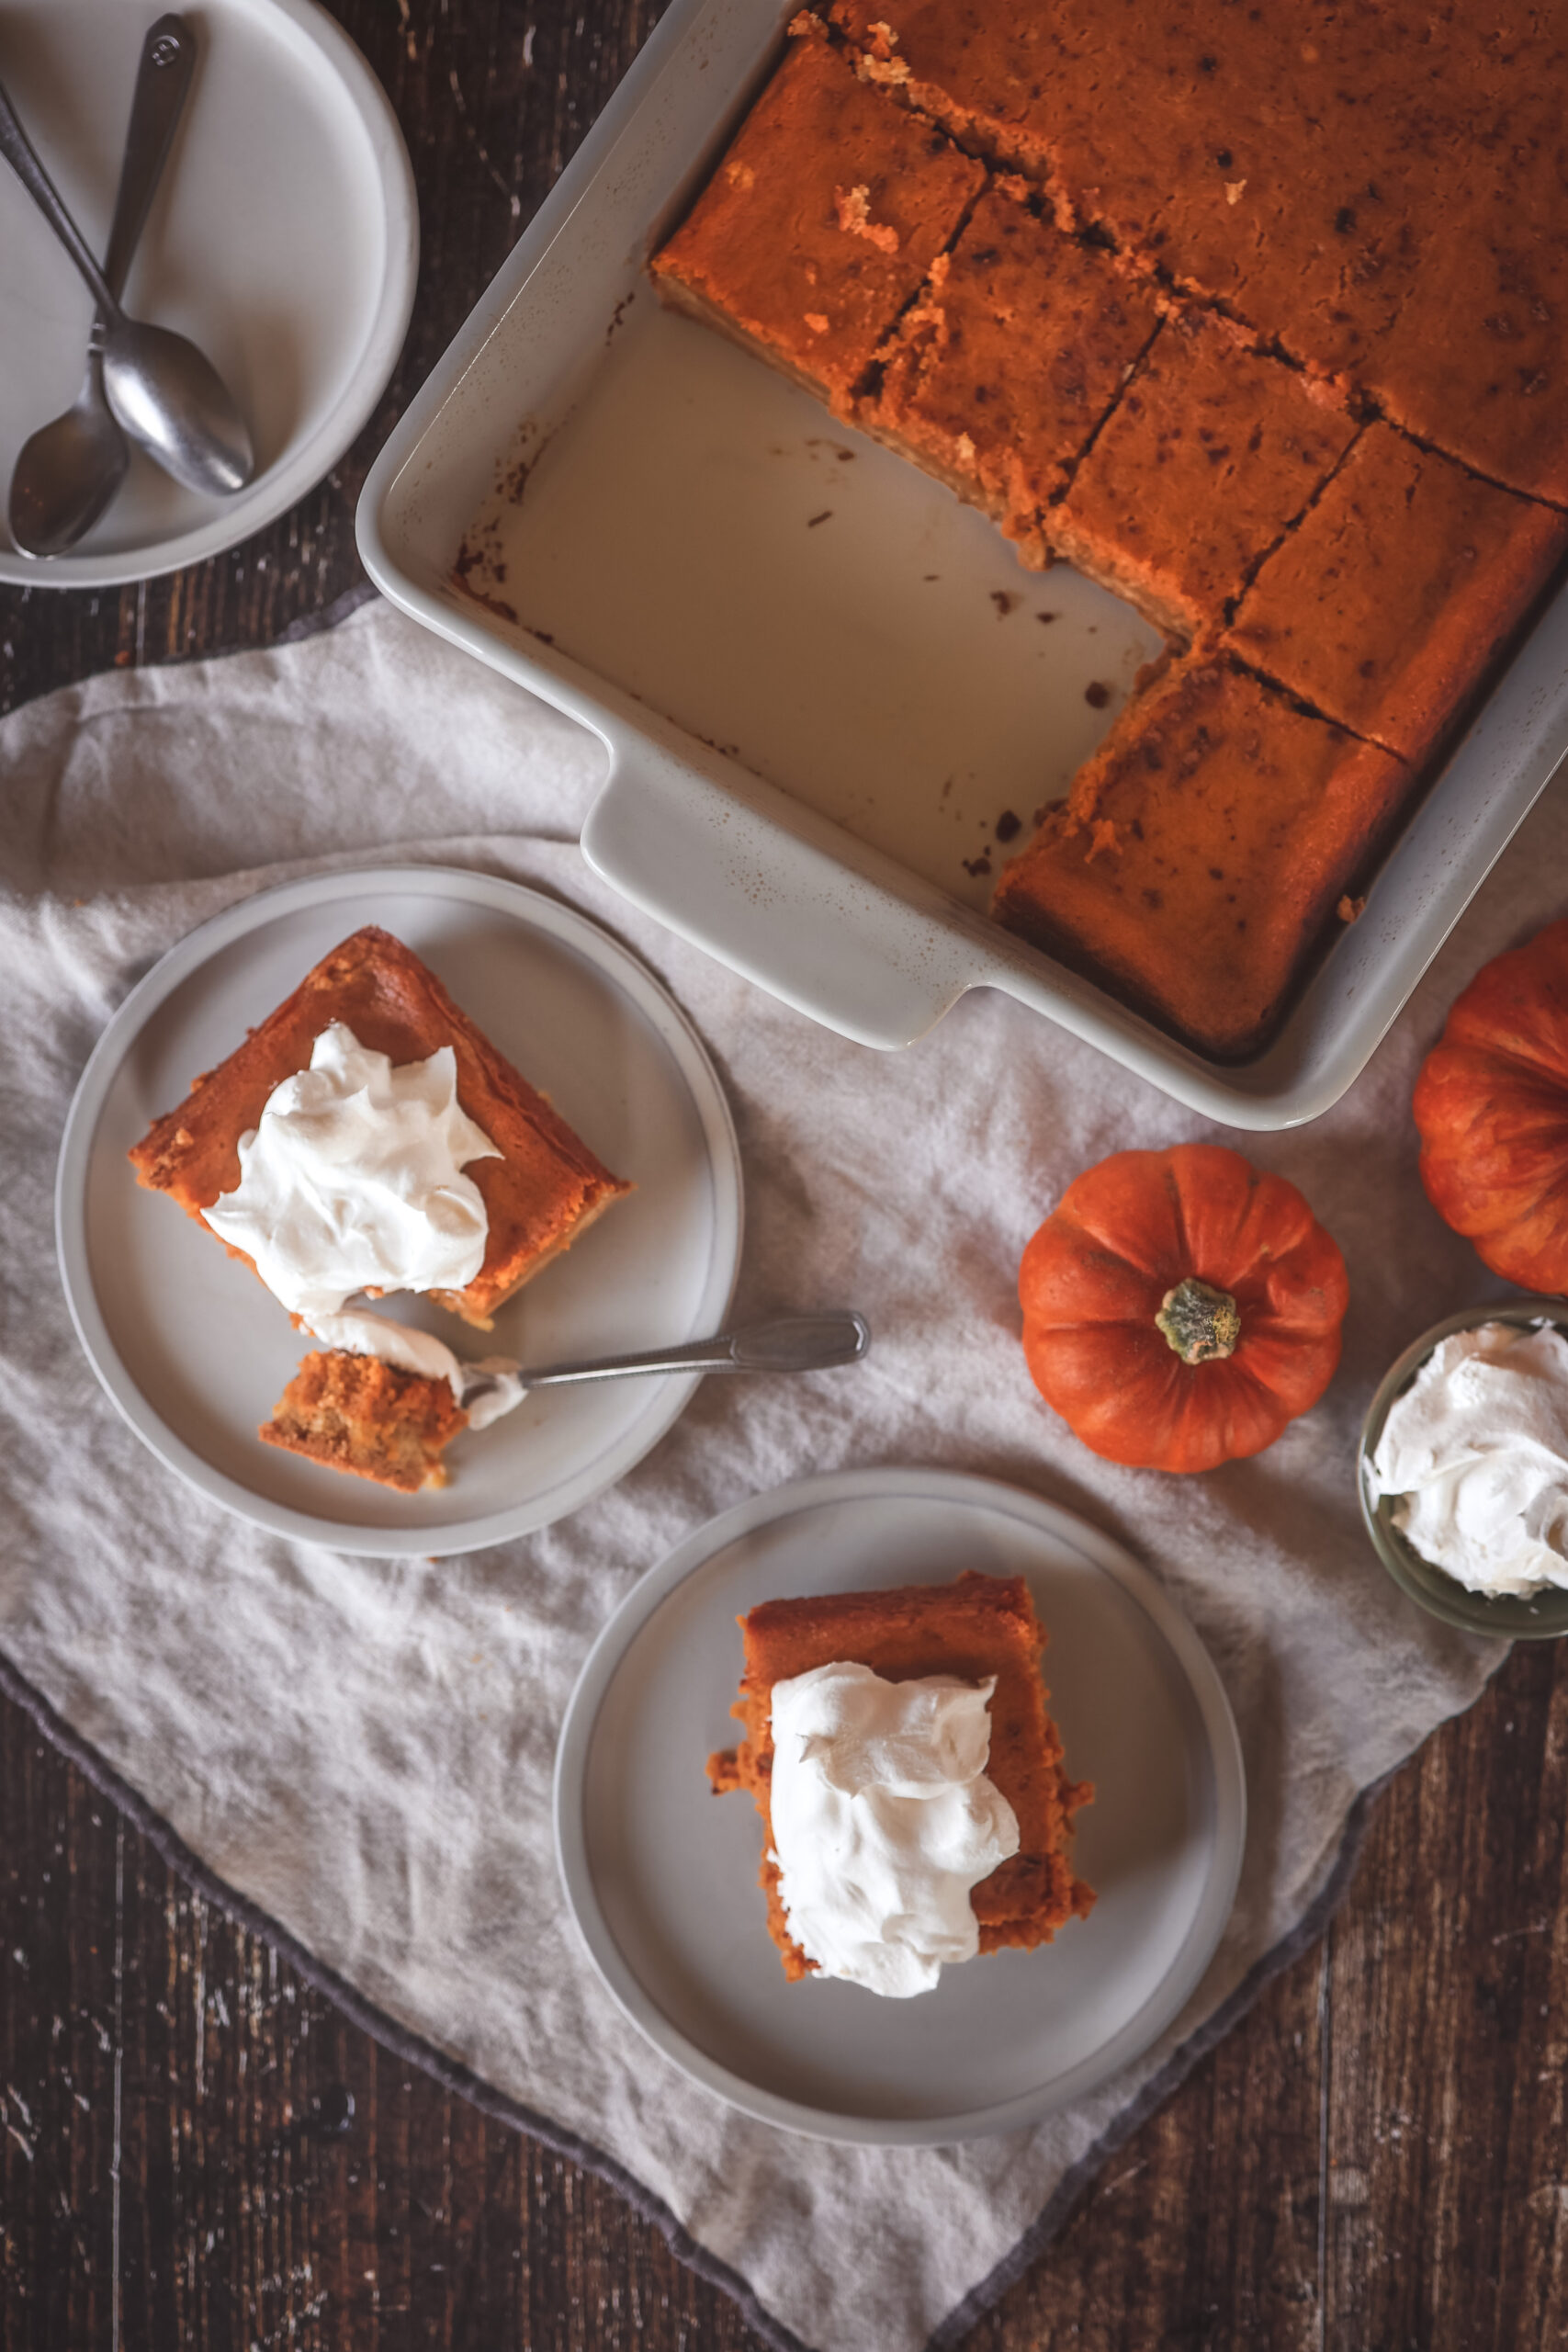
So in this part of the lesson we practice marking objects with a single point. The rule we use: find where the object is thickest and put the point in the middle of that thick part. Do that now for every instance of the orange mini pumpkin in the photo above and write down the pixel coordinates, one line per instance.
(1492, 1106)
(1179, 1307)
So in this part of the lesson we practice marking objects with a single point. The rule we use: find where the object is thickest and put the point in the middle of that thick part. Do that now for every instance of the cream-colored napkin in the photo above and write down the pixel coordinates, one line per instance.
(364, 1748)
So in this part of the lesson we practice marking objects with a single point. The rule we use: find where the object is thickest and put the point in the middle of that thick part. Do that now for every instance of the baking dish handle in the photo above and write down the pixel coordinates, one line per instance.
(764, 885)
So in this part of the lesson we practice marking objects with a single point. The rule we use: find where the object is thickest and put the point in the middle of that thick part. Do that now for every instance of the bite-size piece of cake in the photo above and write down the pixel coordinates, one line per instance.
(373, 1420)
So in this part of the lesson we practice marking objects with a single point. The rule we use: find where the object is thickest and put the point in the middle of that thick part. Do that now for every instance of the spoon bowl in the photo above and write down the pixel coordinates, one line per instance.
(67, 473)
(169, 397)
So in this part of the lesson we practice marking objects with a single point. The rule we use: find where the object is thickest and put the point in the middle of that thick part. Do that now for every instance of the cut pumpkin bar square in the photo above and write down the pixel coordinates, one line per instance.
(1202, 849)
(820, 224)
(1212, 453)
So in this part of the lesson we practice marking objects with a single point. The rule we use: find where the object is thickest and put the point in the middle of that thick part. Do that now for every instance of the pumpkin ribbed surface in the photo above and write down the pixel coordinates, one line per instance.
(1096, 1277)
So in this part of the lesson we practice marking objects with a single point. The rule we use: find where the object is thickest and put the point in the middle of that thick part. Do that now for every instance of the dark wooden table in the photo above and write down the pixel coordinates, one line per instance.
(198, 2149)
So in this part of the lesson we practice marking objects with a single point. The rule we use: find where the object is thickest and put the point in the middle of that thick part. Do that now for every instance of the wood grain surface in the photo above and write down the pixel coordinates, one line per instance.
(197, 2149)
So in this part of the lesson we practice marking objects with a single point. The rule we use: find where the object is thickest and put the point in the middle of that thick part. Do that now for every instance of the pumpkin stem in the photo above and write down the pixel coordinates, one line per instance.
(1199, 1322)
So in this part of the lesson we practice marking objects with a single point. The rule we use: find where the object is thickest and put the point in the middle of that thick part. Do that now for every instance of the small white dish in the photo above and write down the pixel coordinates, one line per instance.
(194, 1351)
(662, 1876)
(284, 239)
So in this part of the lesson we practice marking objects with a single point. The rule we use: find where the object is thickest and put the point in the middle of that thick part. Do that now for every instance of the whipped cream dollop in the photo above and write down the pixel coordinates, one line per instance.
(353, 1180)
(1477, 1450)
(882, 1820)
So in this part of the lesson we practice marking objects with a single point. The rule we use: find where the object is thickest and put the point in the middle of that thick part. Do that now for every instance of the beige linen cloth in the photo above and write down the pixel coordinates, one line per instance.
(361, 1749)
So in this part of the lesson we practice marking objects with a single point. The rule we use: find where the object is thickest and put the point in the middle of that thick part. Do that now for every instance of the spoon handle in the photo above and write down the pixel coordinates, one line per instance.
(796, 1343)
(17, 148)
(163, 83)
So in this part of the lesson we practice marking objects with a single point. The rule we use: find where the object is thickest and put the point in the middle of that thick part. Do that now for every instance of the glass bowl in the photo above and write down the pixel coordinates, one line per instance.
(1509, 1617)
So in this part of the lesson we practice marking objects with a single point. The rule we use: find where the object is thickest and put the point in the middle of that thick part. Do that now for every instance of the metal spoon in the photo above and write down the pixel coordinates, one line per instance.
(69, 469)
(793, 1343)
(164, 391)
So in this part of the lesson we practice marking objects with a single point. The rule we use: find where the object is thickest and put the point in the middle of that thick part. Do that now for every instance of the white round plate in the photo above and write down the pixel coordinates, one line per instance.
(195, 1353)
(284, 239)
(663, 1876)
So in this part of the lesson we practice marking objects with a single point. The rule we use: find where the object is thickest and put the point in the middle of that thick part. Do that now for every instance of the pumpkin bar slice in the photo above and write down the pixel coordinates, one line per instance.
(820, 222)
(1212, 453)
(977, 1627)
(1001, 373)
(373, 1420)
(1200, 852)
(1397, 589)
(543, 1191)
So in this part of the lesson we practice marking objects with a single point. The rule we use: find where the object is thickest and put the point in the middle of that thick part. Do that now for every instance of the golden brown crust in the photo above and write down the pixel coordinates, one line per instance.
(354, 1413)
(1379, 189)
(544, 1189)
(1332, 218)
(973, 1628)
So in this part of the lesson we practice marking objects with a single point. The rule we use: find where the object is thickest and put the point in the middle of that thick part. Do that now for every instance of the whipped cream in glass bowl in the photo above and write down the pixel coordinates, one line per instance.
(1462, 1470)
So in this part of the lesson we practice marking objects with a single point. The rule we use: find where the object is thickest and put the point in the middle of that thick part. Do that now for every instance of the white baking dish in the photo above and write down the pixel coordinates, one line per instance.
(820, 680)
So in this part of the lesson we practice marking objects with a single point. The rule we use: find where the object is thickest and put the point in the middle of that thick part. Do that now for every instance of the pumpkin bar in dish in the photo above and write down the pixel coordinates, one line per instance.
(820, 222)
(1401, 585)
(977, 1635)
(1020, 341)
(540, 1185)
(1212, 454)
(1202, 849)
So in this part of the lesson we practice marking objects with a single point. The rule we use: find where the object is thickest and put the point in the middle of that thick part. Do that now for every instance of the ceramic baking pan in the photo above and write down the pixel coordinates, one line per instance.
(829, 694)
